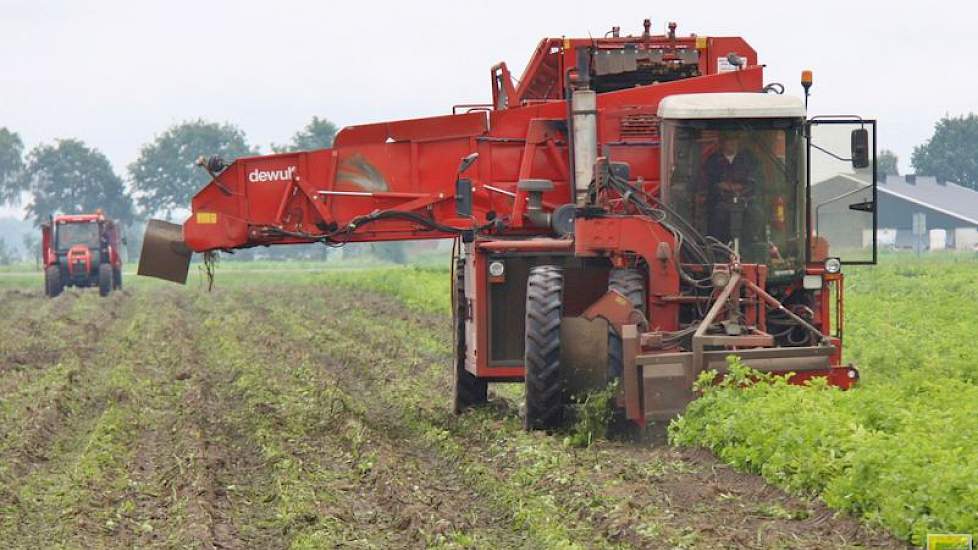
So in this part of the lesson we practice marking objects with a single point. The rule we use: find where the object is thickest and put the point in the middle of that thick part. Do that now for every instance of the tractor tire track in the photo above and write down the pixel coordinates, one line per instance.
(43, 394)
(31, 336)
(399, 494)
(186, 455)
(74, 414)
(363, 361)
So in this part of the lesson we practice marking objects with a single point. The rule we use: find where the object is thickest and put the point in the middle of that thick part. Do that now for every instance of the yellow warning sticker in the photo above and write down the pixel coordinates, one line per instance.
(700, 42)
(206, 218)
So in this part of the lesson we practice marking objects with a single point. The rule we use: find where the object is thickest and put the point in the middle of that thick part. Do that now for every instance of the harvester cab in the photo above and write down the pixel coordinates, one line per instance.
(635, 210)
(81, 250)
(740, 166)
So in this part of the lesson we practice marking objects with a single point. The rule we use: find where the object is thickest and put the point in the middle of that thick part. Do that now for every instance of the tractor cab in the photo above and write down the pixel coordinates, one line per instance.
(739, 167)
(69, 234)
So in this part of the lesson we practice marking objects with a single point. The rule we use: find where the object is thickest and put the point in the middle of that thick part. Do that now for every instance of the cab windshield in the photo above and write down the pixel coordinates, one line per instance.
(740, 181)
(70, 234)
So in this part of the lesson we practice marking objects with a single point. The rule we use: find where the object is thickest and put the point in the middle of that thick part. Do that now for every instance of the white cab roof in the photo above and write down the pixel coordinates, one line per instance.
(731, 105)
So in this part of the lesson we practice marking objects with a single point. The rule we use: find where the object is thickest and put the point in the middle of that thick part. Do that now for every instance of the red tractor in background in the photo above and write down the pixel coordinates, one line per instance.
(81, 250)
(635, 209)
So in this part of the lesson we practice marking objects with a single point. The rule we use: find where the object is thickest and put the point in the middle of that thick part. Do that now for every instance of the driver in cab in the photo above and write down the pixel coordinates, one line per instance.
(730, 175)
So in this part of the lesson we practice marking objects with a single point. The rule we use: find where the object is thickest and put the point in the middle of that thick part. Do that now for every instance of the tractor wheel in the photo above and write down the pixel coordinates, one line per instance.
(52, 281)
(117, 278)
(469, 390)
(104, 279)
(631, 284)
(544, 387)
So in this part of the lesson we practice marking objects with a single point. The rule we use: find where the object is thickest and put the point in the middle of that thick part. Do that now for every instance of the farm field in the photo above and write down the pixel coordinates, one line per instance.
(294, 407)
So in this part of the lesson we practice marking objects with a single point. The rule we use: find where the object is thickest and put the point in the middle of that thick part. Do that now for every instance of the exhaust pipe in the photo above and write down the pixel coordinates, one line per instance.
(165, 255)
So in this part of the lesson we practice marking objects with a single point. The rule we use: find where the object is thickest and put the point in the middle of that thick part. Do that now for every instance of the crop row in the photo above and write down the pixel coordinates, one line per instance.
(899, 450)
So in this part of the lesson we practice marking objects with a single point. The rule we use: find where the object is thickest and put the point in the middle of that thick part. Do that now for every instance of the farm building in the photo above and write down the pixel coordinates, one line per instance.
(950, 211)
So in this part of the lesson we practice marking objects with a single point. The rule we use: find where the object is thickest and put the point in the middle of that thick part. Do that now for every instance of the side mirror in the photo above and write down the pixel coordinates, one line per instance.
(463, 186)
(860, 148)
(463, 197)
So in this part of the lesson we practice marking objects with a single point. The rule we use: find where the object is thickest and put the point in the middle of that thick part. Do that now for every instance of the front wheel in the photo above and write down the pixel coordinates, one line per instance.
(104, 279)
(544, 308)
(53, 284)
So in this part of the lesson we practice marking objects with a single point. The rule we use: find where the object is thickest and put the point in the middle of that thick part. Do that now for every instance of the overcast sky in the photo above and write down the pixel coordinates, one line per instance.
(114, 73)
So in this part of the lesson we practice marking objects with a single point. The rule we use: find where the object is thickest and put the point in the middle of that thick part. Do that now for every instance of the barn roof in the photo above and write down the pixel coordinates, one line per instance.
(945, 197)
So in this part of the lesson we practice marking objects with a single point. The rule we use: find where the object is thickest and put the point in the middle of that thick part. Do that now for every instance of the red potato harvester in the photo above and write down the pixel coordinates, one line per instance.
(637, 209)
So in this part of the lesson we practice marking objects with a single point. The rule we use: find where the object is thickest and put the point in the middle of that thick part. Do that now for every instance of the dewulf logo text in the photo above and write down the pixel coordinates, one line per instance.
(257, 175)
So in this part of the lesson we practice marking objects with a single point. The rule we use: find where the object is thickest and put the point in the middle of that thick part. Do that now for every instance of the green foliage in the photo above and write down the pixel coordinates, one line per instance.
(593, 413)
(318, 134)
(898, 449)
(72, 178)
(886, 164)
(165, 174)
(11, 165)
(422, 289)
(951, 154)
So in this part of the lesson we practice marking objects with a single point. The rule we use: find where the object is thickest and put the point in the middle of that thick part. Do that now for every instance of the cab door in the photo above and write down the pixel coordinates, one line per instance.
(842, 189)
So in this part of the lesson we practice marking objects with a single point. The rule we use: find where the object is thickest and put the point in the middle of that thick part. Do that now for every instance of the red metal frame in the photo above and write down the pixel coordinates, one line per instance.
(543, 75)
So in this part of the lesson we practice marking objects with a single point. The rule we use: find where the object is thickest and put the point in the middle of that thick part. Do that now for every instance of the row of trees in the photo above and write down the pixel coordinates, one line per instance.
(70, 177)
(951, 154)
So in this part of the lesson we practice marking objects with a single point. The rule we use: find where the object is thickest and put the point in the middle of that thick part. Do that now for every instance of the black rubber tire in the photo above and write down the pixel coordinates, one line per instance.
(544, 387)
(469, 391)
(104, 279)
(53, 284)
(117, 278)
(631, 284)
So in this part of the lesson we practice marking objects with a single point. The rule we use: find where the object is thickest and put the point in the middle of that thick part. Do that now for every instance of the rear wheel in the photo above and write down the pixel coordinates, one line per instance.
(52, 281)
(117, 278)
(104, 279)
(469, 390)
(631, 284)
(544, 308)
